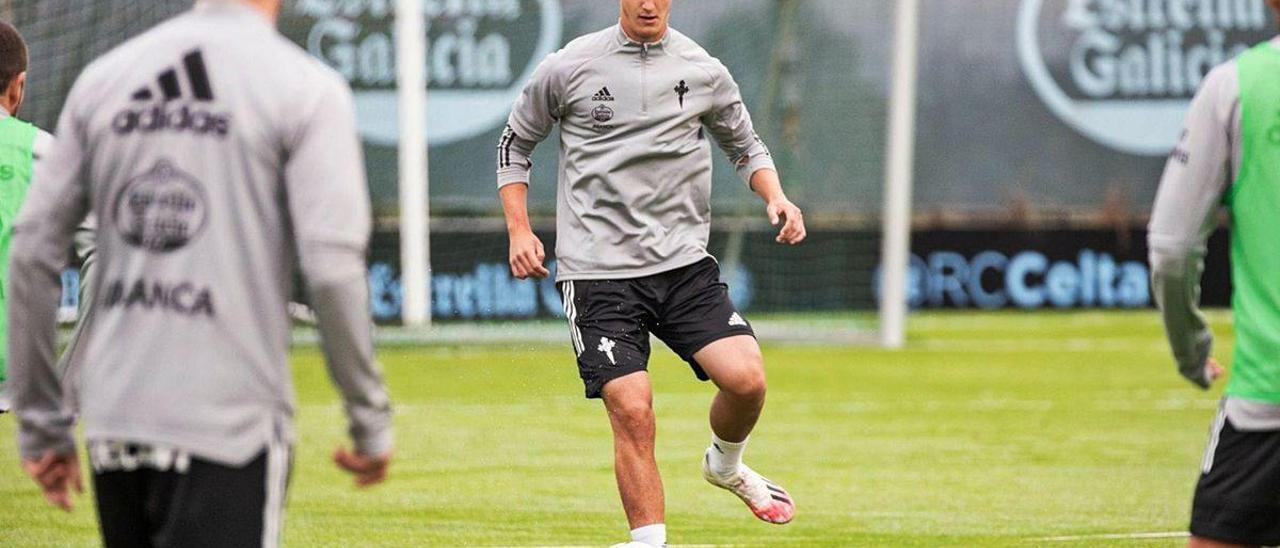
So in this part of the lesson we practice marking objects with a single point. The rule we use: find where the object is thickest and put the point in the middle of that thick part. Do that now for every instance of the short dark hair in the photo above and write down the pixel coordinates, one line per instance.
(13, 54)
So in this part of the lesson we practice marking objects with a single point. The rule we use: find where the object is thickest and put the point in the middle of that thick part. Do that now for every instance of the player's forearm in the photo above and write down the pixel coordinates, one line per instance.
(36, 389)
(86, 251)
(341, 304)
(1175, 281)
(515, 207)
(766, 184)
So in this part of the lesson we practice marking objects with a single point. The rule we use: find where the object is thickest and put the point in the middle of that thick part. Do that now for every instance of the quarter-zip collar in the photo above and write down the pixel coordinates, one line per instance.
(627, 43)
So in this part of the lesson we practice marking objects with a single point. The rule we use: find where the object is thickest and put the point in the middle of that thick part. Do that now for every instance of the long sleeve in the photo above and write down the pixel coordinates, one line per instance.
(86, 251)
(329, 205)
(55, 204)
(730, 124)
(1185, 215)
(532, 118)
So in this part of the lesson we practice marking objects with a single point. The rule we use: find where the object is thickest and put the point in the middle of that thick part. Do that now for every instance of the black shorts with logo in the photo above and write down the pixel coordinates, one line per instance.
(1237, 500)
(610, 320)
(157, 497)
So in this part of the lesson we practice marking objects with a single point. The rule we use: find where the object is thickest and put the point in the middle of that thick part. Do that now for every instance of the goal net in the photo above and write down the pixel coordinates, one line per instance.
(814, 73)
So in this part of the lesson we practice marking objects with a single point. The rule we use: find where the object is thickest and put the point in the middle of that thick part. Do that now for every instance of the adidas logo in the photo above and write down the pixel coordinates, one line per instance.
(602, 95)
(171, 86)
(736, 320)
(170, 89)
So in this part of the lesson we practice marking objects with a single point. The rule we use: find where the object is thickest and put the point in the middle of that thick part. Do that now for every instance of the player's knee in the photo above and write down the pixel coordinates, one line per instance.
(632, 414)
(749, 384)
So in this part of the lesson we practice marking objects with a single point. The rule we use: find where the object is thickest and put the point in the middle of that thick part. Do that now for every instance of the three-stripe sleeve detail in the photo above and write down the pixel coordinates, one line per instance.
(504, 147)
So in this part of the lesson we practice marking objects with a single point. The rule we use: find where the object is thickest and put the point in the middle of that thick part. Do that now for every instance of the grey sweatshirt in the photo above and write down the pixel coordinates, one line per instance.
(634, 195)
(1201, 169)
(217, 157)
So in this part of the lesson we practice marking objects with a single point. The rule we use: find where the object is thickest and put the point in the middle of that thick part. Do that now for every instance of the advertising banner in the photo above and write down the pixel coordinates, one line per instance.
(992, 269)
(1057, 106)
(472, 281)
(833, 271)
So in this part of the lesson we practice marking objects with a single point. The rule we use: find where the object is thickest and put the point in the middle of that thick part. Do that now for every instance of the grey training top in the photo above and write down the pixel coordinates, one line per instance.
(217, 157)
(634, 195)
(1185, 214)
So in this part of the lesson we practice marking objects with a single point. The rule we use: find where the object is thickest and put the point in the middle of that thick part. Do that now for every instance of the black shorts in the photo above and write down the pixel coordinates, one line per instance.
(610, 320)
(1238, 497)
(149, 497)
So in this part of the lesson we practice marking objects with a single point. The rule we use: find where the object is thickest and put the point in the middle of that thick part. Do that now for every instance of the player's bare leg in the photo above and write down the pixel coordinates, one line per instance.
(1201, 542)
(736, 366)
(629, 401)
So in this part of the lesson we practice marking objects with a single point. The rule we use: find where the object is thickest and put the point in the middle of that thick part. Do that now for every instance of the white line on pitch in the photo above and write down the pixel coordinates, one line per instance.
(1115, 536)
(669, 546)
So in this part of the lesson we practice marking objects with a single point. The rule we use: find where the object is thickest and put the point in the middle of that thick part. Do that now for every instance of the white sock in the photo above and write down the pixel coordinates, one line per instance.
(653, 535)
(725, 456)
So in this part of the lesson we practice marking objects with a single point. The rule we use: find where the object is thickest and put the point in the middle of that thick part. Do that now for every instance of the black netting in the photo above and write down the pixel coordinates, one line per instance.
(65, 35)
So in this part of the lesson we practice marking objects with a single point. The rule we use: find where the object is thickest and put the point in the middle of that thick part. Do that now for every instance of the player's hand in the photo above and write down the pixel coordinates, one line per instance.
(57, 476)
(783, 212)
(1204, 376)
(527, 256)
(369, 471)
(1213, 370)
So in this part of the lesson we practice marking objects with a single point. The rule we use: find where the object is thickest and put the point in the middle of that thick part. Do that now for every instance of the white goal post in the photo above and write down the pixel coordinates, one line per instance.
(895, 252)
(415, 246)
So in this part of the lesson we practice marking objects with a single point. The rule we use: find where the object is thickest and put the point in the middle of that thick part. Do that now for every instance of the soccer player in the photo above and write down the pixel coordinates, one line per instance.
(1229, 154)
(635, 103)
(216, 156)
(21, 144)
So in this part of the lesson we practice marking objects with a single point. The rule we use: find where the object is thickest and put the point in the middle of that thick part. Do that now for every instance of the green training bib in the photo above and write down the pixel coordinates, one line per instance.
(17, 138)
(1254, 200)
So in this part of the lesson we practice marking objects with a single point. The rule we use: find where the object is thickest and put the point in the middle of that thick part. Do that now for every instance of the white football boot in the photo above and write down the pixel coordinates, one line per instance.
(767, 500)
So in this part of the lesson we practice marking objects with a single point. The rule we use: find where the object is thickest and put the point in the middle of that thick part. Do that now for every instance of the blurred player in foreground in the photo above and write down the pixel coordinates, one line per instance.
(1229, 154)
(21, 145)
(635, 103)
(216, 156)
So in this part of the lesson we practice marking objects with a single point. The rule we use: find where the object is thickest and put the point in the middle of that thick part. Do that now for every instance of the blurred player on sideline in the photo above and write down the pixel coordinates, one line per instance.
(635, 103)
(21, 144)
(216, 156)
(1229, 154)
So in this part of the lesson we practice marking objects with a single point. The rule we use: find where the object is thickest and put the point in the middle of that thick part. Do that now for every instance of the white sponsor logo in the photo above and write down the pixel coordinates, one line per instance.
(480, 54)
(606, 346)
(736, 319)
(1122, 72)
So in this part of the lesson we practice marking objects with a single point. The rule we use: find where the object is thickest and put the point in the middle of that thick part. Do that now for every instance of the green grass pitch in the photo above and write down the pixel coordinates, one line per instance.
(1002, 429)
